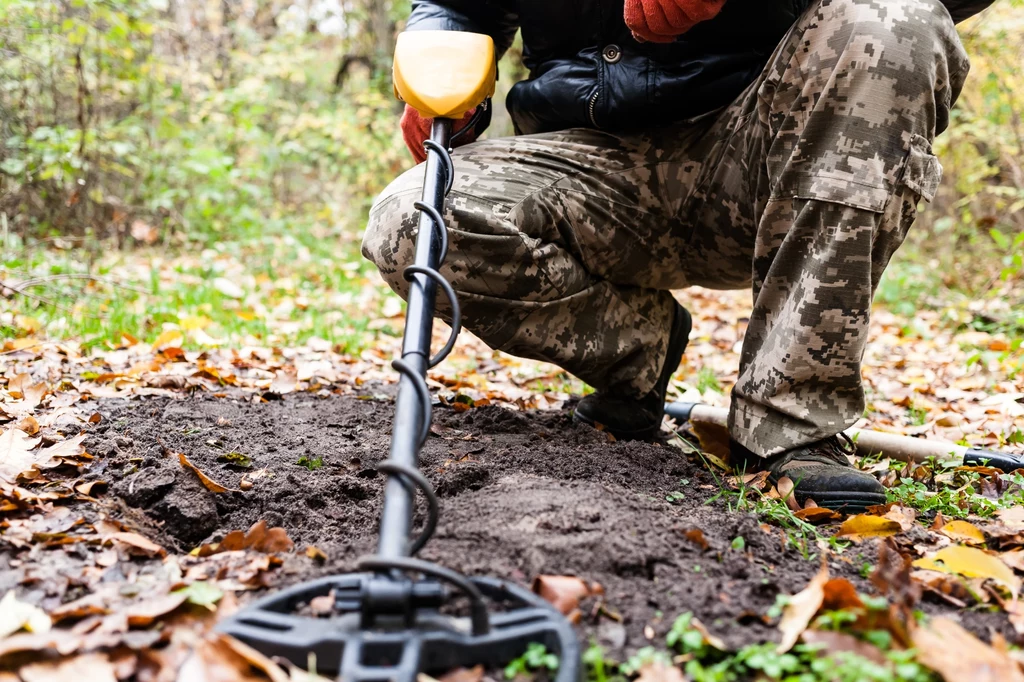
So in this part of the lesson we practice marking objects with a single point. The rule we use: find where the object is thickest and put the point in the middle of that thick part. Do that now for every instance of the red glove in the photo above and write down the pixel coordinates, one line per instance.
(416, 130)
(660, 21)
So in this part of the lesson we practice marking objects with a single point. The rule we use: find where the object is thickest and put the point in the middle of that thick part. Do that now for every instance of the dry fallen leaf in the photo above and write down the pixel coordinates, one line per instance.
(801, 609)
(136, 544)
(957, 655)
(835, 642)
(258, 538)
(970, 563)
(660, 671)
(474, 674)
(16, 455)
(562, 591)
(220, 658)
(962, 531)
(29, 425)
(285, 381)
(145, 613)
(818, 515)
(208, 482)
(863, 526)
(840, 594)
(16, 615)
(696, 536)
(786, 489)
(714, 442)
(1012, 518)
(86, 668)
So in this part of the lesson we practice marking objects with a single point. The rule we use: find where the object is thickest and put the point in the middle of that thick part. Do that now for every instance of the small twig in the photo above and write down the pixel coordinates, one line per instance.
(37, 281)
(37, 297)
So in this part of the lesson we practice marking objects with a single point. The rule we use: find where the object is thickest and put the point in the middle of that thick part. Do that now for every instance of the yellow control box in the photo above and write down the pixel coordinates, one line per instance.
(444, 74)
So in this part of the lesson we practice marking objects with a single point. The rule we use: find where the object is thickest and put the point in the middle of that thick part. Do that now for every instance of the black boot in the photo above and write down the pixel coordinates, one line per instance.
(629, 417)
(820, 471)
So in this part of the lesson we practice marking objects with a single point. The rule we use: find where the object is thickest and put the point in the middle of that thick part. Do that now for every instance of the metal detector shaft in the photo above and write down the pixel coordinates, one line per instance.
(399, 498)
(903, 448)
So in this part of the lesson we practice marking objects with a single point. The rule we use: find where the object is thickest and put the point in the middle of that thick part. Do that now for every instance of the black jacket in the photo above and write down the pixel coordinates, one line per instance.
(586, 70)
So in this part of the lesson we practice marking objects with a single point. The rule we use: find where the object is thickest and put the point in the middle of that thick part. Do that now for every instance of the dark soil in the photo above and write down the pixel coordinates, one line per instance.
(522, 494)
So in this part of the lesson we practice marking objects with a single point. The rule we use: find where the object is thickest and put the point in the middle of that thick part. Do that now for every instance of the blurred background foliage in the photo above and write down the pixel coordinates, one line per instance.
(245, 139)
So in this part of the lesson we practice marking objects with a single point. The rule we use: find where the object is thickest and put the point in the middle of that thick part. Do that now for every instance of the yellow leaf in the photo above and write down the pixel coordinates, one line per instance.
(171, 337)
(970, 563)
(961, 531)
(29, 325)
(195, 322)
(864, 526)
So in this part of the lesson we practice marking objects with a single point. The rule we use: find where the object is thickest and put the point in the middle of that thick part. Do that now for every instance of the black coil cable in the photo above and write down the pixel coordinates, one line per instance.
(410, 477)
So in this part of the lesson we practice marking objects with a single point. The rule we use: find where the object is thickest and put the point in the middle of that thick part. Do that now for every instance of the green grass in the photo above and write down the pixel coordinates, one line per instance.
(701, 662)
(311, 463)
(707, 381)
(953, 493)
(274, 289)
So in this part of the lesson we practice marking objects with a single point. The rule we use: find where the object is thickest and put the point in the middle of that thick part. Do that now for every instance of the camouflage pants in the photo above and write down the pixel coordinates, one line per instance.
(564, 246)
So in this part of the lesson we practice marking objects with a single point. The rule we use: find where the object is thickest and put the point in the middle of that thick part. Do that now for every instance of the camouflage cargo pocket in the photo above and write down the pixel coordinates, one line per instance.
(923, 171)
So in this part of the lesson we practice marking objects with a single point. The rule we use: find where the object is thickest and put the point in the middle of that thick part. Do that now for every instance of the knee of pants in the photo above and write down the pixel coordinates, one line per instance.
(390, 238)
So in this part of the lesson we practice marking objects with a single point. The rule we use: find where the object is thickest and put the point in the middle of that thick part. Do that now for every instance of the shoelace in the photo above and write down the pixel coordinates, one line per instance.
(834, 448)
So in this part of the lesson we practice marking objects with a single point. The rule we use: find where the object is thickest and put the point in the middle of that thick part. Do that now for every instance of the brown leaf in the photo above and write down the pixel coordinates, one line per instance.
(835, 642)
(144, 613)
(892, 578)
(957, 655)
(285, 381)
(905, 516)
(29, 425)
(208, 482)
(66, 449)
(86, 668)
(714, 442)
(92, 488)
(840, 594)
(817, 515)
(562, 591)
(758, 481)
(1012, 518)
(862, 526)
(1014, 559)
(136, 544)
(475, 674)
(696, 536)
(33, 395)
(258, 538)
(220, 658)
(787, 489)
(709, 638)
(801, 609)
(660, 671)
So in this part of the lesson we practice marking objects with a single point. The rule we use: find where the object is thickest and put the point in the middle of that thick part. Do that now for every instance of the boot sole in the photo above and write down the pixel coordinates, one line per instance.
(844, 501)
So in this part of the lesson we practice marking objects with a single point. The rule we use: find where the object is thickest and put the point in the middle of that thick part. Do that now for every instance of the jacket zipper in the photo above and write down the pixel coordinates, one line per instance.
(593, 106)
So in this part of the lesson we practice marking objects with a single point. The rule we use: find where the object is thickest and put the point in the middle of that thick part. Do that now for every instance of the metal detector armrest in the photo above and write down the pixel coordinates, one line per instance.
(444, 74)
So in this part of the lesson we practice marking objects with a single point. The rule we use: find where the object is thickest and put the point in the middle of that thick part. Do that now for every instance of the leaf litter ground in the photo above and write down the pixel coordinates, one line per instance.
(191, 449)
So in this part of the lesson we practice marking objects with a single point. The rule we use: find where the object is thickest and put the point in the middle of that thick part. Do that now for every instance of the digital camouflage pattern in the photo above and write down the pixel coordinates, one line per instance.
(564, 246)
